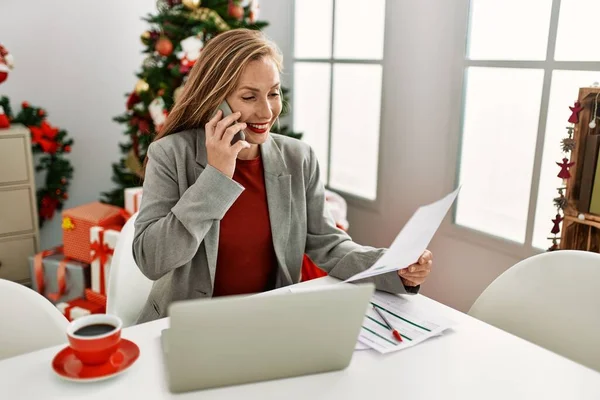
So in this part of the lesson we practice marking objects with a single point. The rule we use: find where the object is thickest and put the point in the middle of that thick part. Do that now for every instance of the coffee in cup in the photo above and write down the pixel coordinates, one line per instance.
(95, 338)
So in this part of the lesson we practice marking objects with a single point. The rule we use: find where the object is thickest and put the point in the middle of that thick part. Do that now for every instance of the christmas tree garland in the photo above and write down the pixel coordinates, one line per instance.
(52, 143)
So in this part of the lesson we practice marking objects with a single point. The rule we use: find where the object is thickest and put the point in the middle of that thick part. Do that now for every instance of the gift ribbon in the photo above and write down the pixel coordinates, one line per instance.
(61, 279)
(101, 251)
(38, 268)
(125, 214)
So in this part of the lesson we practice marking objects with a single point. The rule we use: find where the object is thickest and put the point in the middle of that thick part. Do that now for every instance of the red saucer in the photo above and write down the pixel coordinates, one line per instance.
(68, 366)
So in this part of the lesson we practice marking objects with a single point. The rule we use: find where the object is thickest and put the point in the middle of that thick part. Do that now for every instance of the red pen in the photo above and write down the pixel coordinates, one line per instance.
(389, 325)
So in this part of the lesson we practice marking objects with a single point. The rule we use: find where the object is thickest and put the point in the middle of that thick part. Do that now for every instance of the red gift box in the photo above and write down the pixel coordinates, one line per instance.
(95, 297)
(76, 224)
(80, 307)
(133, 199)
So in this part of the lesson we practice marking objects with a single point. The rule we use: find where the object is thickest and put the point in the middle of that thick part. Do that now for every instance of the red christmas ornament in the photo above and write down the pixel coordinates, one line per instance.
(235, 11)
(564, 168)
(574, 118)
(63, 180)
(67, 149)
(65, 196)
(164, 47)
(41, 113)
(557, 220)
(25, 104)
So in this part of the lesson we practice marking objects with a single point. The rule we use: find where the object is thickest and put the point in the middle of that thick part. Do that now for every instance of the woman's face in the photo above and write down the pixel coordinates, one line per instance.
(257, 98)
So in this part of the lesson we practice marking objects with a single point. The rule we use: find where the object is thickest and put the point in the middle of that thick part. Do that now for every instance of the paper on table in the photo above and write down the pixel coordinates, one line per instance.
(412, 240)
(361, 346)
(414, 325)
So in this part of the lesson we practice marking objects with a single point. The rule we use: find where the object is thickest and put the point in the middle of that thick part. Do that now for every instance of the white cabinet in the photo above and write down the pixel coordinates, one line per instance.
(19, 234)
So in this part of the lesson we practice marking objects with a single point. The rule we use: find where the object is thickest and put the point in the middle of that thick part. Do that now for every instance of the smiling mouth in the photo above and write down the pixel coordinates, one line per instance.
(257, 128)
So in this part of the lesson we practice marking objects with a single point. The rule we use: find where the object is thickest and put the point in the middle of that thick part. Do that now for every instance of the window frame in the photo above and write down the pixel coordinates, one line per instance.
(549, 65)
(351, 198)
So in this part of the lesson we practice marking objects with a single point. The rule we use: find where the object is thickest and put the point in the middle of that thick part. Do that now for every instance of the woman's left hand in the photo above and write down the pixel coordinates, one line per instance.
(415, 274)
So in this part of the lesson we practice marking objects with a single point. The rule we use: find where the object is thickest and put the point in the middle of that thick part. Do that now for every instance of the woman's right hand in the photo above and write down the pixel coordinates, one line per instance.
(219, 134)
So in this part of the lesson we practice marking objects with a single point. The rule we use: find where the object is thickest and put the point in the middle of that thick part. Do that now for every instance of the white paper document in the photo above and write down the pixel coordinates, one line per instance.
(412, 240)
(414, 325)
(361, 346)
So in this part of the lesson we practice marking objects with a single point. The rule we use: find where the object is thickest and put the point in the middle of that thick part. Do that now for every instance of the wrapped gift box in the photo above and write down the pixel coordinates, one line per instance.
(95, 297)
(76, 224)
(58, 278)
(78, 308)
(133, 199)
(338, 208)
(103, 242)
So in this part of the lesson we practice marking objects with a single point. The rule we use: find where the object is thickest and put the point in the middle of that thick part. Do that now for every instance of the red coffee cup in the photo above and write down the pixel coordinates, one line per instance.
(94, 338)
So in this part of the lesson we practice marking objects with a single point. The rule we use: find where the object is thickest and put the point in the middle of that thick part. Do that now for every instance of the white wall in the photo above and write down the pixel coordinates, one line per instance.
(78, 62)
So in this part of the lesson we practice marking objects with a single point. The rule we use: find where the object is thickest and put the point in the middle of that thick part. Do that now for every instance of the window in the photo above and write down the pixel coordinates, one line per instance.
(525, 63)
(337, 89)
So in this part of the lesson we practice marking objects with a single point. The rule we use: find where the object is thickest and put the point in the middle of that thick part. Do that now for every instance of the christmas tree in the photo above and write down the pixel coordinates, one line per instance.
(173, 43)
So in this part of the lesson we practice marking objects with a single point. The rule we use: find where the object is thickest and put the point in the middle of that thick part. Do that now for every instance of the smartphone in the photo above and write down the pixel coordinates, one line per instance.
(227, 111)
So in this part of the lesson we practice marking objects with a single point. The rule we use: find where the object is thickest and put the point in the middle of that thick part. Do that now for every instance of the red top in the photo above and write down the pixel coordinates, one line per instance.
(246, 261)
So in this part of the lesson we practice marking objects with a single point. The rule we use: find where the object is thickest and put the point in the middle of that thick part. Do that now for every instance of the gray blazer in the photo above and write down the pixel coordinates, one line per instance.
(177, 228)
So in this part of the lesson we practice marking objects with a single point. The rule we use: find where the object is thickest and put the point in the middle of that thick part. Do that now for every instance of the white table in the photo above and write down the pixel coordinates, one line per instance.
(472, 361)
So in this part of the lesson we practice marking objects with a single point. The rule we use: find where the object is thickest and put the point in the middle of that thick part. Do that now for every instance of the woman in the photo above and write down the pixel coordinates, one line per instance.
(219, 219)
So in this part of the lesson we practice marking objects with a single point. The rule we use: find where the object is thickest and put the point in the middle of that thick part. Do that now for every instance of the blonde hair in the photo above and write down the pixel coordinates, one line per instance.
(215, 75)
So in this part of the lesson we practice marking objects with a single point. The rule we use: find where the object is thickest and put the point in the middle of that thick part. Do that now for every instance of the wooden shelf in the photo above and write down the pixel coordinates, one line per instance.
(595, 224)
(577, 234)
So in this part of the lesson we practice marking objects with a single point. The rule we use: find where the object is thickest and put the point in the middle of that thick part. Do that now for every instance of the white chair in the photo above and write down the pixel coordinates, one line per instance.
(29, 321)
(128, 288)
(552, 300)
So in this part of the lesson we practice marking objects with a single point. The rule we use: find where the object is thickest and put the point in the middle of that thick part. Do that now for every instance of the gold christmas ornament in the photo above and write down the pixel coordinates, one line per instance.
(145, 37)
(177, 93)
(192, 4)
(141, 86)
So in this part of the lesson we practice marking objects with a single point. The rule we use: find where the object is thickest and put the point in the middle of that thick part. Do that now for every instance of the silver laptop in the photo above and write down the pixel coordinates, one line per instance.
(241, 339)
